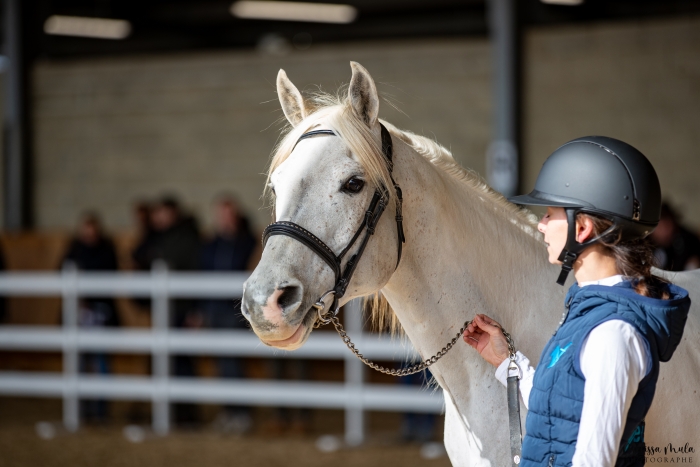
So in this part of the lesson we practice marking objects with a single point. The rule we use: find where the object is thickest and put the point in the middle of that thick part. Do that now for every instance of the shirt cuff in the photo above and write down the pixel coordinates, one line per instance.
(502, 370)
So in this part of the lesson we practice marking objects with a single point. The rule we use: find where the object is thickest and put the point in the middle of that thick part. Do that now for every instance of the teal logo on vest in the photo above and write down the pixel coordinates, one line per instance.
(557, 353)
(637, 436)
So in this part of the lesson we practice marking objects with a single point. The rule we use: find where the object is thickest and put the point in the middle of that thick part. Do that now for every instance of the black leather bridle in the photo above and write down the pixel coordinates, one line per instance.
(369, 223)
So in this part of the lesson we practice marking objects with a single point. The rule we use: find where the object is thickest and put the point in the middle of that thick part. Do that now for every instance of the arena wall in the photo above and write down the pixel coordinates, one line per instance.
(111, 131)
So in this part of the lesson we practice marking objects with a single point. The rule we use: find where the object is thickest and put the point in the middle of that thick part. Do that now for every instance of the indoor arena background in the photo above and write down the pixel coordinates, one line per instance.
(182, 112)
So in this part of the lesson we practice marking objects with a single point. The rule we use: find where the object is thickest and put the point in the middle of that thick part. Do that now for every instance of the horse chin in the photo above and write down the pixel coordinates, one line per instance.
(293, 342)
(297, 338)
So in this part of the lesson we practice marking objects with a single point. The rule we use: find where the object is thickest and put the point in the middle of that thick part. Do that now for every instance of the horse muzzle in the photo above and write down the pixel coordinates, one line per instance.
(276, 314)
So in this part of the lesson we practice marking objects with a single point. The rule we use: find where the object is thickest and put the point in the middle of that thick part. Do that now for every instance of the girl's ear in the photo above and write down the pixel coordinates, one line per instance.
(584, 229)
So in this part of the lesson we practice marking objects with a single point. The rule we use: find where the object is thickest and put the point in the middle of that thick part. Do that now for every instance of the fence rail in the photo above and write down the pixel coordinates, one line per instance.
(354, 395)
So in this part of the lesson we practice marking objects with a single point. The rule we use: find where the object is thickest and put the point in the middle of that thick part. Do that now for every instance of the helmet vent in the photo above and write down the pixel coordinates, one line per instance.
(635, 210)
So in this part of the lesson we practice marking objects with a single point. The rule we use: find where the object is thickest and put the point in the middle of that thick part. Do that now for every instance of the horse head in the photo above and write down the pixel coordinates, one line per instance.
(322, 183)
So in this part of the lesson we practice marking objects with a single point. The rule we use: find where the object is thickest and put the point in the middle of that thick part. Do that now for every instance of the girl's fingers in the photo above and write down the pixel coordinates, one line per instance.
(470, 342)
(488, 325)
(469, 339)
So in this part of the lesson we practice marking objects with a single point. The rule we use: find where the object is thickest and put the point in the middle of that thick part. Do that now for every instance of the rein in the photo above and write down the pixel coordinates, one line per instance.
(342, 279)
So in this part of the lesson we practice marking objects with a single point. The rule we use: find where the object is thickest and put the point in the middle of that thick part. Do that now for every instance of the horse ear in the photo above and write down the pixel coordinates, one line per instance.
(290, 98)
(363, 95)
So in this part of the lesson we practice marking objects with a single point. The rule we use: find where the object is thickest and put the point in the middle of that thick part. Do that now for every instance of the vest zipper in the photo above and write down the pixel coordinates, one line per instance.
(551, 460)
(564, 315)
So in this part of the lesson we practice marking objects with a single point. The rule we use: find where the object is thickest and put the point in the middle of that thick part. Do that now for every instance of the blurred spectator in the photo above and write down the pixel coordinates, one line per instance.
(232, 245)
(173, 237)
(176, 238)
(230, 249)
(676, 248)
(418, 427)
(290, 419)
(92, 250)
(143, 253)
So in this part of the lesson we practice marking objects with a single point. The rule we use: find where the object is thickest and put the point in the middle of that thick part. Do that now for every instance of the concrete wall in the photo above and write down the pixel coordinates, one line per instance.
(111, 131)
(639, 82)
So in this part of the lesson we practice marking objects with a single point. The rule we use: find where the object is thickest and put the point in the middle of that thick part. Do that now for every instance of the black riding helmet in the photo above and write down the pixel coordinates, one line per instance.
(602, 176)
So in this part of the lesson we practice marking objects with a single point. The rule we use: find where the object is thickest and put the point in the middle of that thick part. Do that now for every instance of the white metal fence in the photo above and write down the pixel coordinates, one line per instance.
(354, 395)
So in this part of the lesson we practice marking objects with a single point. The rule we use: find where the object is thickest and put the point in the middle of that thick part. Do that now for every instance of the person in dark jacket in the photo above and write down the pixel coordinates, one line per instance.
(676, 247)
(175, 240)
(143, 253)
(229, 249)
(92, 250)
(596, 377)
(232, 245)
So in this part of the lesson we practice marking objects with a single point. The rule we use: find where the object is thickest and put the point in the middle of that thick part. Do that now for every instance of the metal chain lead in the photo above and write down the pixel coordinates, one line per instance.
(511, 344)
(393, 372)
(418, 366)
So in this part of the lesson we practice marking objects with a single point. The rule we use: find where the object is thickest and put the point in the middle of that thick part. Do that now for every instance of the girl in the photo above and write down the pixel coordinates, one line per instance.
(596, 377)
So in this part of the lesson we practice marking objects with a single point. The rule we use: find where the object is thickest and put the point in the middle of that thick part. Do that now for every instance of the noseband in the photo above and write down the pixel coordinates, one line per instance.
(369, 223)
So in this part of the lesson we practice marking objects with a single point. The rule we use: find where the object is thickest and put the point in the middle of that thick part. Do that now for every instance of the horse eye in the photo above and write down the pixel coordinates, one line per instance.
(354, 185)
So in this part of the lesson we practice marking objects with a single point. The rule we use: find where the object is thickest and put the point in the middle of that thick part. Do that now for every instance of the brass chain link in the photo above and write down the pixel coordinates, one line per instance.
(418, 366)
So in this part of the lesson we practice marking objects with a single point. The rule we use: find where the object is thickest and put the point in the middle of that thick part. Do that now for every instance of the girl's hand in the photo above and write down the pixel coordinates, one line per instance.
(485, 335)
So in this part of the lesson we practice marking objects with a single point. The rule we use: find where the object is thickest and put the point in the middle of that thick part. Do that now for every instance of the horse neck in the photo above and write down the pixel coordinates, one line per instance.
(465, 254)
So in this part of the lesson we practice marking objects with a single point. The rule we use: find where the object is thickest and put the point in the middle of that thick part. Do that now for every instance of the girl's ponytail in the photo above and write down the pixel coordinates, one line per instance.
(633, 258)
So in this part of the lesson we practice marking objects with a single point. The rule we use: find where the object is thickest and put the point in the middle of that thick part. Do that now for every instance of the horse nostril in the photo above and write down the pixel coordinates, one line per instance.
(290, 296)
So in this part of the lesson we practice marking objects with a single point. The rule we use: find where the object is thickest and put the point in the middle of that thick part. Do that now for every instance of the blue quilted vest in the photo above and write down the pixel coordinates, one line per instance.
(556, 399)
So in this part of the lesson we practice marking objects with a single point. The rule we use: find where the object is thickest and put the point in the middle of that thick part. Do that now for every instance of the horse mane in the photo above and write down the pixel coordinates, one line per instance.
(336, 113)
(442, 158)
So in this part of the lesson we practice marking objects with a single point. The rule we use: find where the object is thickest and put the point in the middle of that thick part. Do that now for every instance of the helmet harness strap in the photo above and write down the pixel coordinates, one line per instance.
(572, 249)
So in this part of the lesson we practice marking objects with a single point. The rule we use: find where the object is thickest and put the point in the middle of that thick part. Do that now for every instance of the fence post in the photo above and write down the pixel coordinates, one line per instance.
(71, 405)
(354, 379)
(160, 356)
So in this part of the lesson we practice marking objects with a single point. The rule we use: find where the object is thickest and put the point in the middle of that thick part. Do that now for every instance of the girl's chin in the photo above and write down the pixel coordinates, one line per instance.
(554, 259)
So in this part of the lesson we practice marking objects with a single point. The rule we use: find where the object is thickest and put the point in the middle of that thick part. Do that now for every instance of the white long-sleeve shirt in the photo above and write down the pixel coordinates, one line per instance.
(614, 358)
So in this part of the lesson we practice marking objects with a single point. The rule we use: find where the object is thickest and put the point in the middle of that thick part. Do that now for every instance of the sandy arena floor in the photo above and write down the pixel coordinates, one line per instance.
(107, 447)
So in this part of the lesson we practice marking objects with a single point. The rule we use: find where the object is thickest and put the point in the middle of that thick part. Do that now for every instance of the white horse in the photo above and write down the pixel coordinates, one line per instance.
(467, 251)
